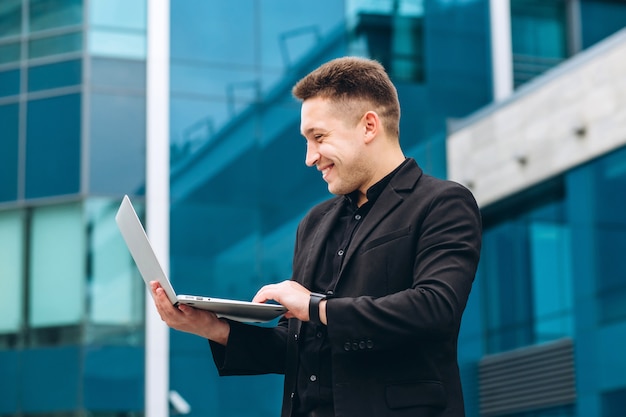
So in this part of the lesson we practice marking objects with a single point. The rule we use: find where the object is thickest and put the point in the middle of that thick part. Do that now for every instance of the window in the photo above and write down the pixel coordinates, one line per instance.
(393, 34)
(539, 37)
(600, 19)
(9, 83)
(9, 151)
(56, 266)
(60, 74)
(10, 52)
(10, 18)
(11, 271)
(117, 149)
(526, 267)
(53, 146)
(608, 218)
(115, 288)
(613, 403)
(55, 45)
(50, 14)
(118, 28)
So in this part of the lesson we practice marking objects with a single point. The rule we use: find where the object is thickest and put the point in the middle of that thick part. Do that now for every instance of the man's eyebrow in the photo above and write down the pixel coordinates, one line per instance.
(310, 130)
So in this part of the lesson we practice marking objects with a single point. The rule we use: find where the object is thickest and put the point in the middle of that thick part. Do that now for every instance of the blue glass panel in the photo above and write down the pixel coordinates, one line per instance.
(199, 28)
(54, 45)
(613, 403)
(8, 151)
(50, 379)
(48, 14)
(118, 74)
(114, 378)
(10, 18)
(60, 74)
(290, 33)
(539, 37)
(117, 149)
(600, 18)
(609, 220)
(9, 364)
(526, 269)
(10, 52)
(394, 36)
(126, 14)
(53, 146)
(113, 43)
(9, 83)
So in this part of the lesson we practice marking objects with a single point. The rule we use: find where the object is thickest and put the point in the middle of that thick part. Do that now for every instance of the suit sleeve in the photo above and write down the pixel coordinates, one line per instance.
(444, 263)
(252, 350)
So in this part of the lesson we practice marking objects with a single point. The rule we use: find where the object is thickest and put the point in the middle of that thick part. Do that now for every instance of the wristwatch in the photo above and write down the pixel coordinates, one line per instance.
(314, 307)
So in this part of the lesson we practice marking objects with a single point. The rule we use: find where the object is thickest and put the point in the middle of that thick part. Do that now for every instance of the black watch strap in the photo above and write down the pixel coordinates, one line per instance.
(314, 307)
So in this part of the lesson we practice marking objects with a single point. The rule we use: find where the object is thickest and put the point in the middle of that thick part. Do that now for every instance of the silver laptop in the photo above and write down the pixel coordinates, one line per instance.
(139, 246)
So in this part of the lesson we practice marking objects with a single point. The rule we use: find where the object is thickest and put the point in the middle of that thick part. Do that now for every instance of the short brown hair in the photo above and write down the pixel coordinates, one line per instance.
(350, 80)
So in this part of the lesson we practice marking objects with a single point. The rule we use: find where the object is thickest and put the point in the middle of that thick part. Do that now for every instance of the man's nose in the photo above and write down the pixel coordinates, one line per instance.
(312, 154)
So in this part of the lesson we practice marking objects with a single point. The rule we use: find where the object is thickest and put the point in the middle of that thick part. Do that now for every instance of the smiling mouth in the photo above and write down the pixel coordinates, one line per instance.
(326, 170)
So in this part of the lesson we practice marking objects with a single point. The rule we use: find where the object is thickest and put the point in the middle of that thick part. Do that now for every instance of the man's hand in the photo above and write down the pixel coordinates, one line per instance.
(293, 296)
(188, 319)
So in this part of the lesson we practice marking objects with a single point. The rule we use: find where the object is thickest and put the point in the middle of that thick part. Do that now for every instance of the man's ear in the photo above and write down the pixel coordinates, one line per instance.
(371, 125)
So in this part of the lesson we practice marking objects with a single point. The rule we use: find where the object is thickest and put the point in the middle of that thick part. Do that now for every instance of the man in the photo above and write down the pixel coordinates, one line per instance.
(381, 272)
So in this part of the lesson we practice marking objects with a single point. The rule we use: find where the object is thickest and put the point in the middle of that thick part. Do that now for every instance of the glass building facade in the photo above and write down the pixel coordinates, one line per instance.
(73, 139)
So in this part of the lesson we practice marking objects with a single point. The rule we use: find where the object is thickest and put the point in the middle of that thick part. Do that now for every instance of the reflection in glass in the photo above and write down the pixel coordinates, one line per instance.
(10, 17)
(49, 14)
(392, 32)
(54, 45)
(11, 270)
(117, 148)
(128, 75)
(112, 43)
(10, 52)
(115, 288)
(122, 14)
(608, 218)
(538, 36)
(56, 266)
(527, 268)
(552, 281)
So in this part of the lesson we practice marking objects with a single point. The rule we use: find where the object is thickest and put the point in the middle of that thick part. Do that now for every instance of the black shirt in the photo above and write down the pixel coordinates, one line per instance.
(314, 381)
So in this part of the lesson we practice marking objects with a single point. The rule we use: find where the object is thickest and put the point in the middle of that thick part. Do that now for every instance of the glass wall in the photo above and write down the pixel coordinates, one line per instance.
(73, 124)
(53, 167)
(600, 19)
(73, 315)
(540, 37)
(239, 184)
(12, 248)
(552, 254)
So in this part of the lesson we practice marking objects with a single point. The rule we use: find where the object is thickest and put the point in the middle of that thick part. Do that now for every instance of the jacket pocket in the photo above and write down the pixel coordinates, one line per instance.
(414, 394)
(386, 238)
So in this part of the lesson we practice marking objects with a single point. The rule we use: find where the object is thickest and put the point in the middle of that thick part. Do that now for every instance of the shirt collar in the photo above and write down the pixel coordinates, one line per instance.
(375, 190)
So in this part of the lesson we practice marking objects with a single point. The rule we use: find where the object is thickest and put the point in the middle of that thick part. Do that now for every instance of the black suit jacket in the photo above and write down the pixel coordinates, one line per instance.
(394, 320)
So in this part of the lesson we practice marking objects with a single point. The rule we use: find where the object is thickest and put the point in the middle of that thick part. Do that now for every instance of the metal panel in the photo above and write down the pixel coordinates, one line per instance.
(530, 378)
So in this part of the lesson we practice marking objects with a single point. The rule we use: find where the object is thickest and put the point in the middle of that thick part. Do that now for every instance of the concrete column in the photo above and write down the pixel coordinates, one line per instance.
(157, 197)
(501, 49)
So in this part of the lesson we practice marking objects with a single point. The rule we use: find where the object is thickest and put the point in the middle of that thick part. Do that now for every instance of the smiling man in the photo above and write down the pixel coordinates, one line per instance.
(381, 272)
